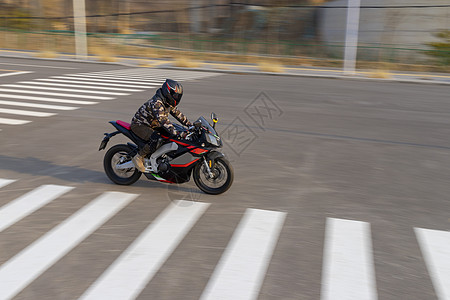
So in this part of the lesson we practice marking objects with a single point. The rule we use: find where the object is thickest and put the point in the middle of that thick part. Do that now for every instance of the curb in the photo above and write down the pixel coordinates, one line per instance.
(231, 71)
(326, 76)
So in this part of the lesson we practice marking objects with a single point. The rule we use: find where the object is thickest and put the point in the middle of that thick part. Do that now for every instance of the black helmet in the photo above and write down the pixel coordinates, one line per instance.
(172, 92)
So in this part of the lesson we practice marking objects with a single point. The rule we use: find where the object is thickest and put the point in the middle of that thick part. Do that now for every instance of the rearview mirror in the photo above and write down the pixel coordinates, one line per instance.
(214, 117)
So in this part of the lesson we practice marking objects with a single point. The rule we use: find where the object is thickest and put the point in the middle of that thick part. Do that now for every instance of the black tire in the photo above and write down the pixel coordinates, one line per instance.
(120, 153)
(222, 170)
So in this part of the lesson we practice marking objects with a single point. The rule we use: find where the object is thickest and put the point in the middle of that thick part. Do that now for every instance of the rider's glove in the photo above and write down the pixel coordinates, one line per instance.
(183, 134)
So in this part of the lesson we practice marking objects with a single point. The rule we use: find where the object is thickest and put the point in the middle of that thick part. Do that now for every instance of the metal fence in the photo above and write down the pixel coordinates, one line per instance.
(395, 34)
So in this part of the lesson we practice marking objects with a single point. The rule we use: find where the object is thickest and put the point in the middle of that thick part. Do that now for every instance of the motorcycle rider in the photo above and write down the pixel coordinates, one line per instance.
(153, 116)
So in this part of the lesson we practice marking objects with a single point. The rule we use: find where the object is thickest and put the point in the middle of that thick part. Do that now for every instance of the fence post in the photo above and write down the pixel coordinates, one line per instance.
(79, 14)
(351, 36)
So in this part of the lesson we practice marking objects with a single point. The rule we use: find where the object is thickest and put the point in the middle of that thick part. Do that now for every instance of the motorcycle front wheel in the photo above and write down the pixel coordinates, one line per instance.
(120, 154)
(221, 180)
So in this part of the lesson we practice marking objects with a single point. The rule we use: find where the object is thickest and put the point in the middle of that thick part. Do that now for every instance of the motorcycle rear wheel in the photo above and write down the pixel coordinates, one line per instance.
(223, 177)
(116, 155)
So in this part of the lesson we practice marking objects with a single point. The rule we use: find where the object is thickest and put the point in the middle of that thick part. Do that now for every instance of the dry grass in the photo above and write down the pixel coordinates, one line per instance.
(379, 74)
(268, 66)
(102, 48)
(145, 64)
(185, 62)
(46, 54)
(103, 53)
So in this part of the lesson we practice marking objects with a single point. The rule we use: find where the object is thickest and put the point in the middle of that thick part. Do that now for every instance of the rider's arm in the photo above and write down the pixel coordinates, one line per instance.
(161, 116)
(177, 114)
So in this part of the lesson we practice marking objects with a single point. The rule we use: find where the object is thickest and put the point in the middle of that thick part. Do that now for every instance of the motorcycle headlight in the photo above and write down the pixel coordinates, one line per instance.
(212, 140)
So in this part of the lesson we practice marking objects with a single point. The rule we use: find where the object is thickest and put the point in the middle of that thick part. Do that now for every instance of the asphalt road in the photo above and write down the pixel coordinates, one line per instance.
(318, 150)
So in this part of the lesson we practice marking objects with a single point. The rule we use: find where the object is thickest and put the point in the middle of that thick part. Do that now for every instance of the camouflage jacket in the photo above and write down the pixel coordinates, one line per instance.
(156, 115)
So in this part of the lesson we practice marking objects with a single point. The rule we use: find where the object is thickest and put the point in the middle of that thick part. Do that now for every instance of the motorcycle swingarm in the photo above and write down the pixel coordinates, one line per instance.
(106, 138)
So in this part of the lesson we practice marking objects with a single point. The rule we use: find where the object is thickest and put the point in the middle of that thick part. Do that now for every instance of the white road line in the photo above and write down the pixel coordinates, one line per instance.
(348, 268)
(78, 86)
(93, 83)
(119, 78)
(57, 94)
(39, 66)
(7, 121)
(46, 106)
(23, 97)
(25, 205)
(108, 80)
(63, 90)
(31, 262)
(130, 273)
(243, 265)
(25, 112)
(134, 70)
(15, 73)
(5, 182)
(134, 75)
(435, 246)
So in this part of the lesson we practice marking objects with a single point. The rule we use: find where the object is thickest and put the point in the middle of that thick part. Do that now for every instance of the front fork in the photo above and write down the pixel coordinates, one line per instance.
(207, 166)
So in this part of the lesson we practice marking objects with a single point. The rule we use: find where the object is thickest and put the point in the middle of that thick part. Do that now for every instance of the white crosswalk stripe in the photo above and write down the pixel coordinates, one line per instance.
(347, 269)
(129, 274)
(71, 88)
(78, 86)
(46, 106)
(92, 83)
(21, 86)
(92, 80)
(27, 265)
(5, 182)
(23, 97)
(27, 204)
(9, 90)
(435, 246)
(8, 121)
(241, 270)
(25, 112)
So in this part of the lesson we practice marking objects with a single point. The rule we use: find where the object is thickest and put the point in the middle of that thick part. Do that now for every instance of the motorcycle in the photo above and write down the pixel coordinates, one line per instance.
(175, 160)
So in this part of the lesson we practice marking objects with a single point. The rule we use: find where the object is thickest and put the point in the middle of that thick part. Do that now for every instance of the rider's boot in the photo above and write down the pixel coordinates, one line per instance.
(138, 159)
(138, 162)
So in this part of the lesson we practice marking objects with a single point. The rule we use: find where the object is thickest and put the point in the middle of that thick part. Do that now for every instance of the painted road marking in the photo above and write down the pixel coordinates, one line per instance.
(92, 83)
(15, 73)
(21, 86)
(348, 268)
(23, 97)
(243, 265)
(130, 273)
(26, 104)
(435, 246)
(26, 266)
(79, 86)
(39, 66)
(27, 204)
(5, 182)
(57, 94)
(25, 112)
(106, 80)
(7, 121)
(125, 78)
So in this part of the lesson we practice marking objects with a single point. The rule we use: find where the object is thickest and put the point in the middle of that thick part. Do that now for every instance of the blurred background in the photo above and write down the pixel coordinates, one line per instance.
(396, 35)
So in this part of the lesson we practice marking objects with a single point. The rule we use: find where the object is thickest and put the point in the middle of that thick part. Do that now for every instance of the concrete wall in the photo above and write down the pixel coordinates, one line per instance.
(402, 27)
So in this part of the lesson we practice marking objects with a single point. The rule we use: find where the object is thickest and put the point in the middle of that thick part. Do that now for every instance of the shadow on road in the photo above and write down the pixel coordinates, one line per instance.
(38, 167)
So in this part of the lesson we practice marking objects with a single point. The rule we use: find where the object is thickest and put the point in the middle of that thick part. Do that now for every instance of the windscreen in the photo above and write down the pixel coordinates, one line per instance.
(207, 125)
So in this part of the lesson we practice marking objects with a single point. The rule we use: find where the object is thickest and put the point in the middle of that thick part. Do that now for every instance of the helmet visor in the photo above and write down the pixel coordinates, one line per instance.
(176, 96)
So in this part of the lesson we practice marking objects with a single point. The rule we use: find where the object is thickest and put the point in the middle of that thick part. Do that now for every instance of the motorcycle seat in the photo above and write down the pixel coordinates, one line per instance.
(124, 124)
